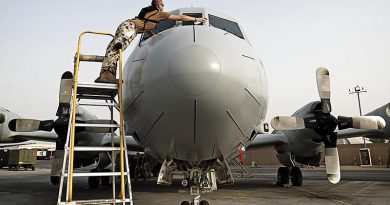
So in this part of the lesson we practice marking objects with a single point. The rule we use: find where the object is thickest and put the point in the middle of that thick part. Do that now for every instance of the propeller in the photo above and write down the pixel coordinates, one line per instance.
(32, 125)
(61, 124)
(325, 124)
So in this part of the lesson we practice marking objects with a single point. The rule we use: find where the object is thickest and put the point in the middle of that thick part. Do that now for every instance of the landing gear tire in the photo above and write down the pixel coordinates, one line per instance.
(55, 180)
(283, 176)
(185, 203)
(204, 202)
(93, 182)
(296, 176)
(106, 179)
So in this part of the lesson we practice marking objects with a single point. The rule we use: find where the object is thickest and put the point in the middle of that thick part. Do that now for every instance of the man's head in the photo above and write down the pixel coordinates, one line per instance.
(159, 4)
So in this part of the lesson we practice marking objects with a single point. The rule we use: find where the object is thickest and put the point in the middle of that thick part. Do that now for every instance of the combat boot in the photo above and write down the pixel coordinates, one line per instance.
(107, 77)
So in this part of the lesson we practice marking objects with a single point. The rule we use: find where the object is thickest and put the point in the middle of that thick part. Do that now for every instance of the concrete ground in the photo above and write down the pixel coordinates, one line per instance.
(358, 186)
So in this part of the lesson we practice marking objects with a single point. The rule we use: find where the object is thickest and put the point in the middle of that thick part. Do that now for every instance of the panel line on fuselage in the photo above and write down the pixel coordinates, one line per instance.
(150, 129)
(235, 122)
(193, 28)
(138, 60)
(195, 116)
(249, 92)
(248, 57)
(136, 97)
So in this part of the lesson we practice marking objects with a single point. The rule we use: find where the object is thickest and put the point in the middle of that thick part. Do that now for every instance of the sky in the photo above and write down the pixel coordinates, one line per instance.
(292, 38)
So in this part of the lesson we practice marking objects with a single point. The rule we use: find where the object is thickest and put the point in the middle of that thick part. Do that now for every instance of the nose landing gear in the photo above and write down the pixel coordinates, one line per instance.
(199, 182)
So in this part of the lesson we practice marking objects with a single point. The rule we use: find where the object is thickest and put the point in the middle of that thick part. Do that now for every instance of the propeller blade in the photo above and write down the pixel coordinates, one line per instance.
(287, 123)
(332, 164)
(30, 125)
(323, 86)
(361, 122)
(368, 122)
(66, 87)
(65, 93)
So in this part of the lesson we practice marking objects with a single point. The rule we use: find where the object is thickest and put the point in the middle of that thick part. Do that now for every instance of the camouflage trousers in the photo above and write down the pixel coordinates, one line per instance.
(124, 35)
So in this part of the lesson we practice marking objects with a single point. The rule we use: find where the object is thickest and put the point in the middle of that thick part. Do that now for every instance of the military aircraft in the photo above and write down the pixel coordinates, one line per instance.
(298, 139)
(195, 95)
(11, 138)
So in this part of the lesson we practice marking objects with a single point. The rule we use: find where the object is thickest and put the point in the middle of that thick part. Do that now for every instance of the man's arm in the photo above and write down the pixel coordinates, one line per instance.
(186, 18)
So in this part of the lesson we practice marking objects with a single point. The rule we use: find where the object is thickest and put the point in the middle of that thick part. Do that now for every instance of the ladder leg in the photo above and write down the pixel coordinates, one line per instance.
(66, 158)
(113, 154)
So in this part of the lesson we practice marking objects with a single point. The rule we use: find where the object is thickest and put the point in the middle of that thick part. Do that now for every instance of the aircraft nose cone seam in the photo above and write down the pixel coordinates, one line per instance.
(194, 70)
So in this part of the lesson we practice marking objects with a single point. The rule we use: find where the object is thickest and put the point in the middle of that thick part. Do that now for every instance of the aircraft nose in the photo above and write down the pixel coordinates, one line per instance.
(194, 70)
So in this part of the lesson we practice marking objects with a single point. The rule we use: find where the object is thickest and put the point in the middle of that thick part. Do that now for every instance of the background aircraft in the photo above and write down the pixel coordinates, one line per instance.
(11, 138)
(299, 138)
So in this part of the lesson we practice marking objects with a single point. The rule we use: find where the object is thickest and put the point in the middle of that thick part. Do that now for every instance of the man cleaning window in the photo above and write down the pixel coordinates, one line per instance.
(146, 20)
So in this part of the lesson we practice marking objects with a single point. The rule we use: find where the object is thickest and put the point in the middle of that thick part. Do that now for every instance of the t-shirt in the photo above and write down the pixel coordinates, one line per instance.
(145, 25)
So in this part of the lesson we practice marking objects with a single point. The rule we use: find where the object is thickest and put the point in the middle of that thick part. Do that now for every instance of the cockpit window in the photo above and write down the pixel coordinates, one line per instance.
(161, 26)
(226, 25)
(190, 23)
(2, 118)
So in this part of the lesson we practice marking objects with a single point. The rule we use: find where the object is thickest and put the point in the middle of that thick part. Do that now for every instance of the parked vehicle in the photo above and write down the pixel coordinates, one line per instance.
(3, 158)
(22, 159)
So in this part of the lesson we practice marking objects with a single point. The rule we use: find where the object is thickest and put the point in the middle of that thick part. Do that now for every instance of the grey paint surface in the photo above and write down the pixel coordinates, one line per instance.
(194, 93)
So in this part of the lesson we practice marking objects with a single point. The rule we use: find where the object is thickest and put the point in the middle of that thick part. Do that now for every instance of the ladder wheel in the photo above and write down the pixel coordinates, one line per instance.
(93, 182)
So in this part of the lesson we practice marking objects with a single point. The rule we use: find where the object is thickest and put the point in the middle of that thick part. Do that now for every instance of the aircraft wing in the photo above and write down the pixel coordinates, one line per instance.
(132, 145)
(2, 145)
(39, 135)
(374, 134)
(263, 140)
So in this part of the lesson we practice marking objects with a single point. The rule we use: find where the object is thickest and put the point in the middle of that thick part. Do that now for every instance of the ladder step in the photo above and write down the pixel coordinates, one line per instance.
(96, 201)
(107, 86)
(97, 104)
(95, 174)
(102, 149)
(96, 90)
(97, 125)
(95, 97)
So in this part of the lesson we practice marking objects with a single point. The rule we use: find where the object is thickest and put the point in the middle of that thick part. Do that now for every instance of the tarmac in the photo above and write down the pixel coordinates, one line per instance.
(358, 186)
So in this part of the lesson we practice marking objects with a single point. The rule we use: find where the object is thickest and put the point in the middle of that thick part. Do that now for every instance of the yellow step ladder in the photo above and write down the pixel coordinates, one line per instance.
(97, 92)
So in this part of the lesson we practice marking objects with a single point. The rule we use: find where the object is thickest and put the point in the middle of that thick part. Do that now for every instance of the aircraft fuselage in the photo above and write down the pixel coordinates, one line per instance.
(194, 92)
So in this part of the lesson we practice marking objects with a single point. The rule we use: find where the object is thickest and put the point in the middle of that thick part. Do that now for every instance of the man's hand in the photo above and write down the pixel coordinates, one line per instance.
(200, 20)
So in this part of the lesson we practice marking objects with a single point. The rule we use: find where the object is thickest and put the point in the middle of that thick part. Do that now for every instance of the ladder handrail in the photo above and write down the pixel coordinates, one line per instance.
(121, 134)
(73, 121)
